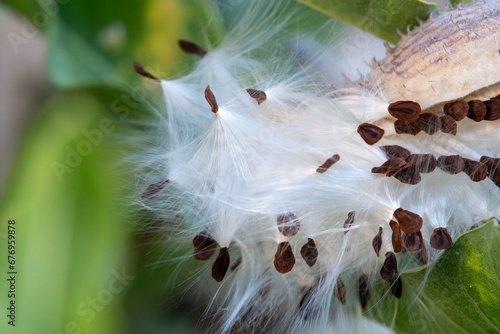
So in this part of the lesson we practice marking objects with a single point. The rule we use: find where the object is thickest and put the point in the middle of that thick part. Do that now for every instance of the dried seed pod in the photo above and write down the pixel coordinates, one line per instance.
(370, 133)
(458, 110)
(363, 290)
(328, 163)
(389, 271)
(391, 166)
(477, 110)
(395, 151)
(441, 239)
(413, 241)
(409, 175)
(432, 123)
(288, 224)
(397, 243)
(492, 109)
(259, 95)
(452, 164)
(309, 252)
(340, 291)
(140, 70)
(377, 241)
(284, 259)
(192, 48)
(221, 265)
(408, 221)
(204, 246)
(210, 97)
(153, 190)
(411, 128)
(424, 253)
(448, 125)
(477, 171)
(397, 288)
(423, 163)
(407, 111)
(349, 221)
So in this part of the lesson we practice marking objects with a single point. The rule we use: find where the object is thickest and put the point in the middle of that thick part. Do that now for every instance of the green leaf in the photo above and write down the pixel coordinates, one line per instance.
(382, 18)
(458, 293)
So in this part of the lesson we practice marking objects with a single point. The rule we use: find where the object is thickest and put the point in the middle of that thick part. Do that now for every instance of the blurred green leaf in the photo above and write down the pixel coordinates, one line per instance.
(461, 293)
(382, 18)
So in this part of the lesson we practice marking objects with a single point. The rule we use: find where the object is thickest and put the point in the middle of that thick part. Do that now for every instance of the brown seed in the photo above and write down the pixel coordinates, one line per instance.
(477, 171)
(397, 288)
(412, 128)
(370, 133)
(493, 165)
(440, 238)
(284, 259)
(258, 95)
(221, 265)
(408, 221)
(448, 125)
(204, 246)
(406, 111)
(288, 224)
(391, 166)
(413, 241)
(458, 110)
(349, 221)
(340, 291)
(424, 253)
(153, 190)
(377, 241)
(363, 290)
(423, 163)
(309, 252)
(389, 271)
(192, 48)
(140, 70)
(328, 163)
(210, 97)
(492, 109)
(432, 123)
(306, 298)
(452, 164)
(397, 243)
(395, 151)
(409, 175)
(477, 110)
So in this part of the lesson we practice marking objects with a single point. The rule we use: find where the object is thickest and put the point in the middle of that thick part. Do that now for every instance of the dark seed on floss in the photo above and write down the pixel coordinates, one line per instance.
(306, 297)
(408, 221)
(192, 48)
(441, 239)
(395, 151)
(377, 241)
(492, 109)
(409, 175)
(397, 288)
(389, 271)
(452, 164)
(370, 133)
(210, 97)
(363, 290)
(236, 265)
(349, 221)
(221, 264)
(140, 70)
(477, 110)
(258, 95)
(204, 246)
(413, 241)
(309, 252)
(153, 190)
(477, 171)
(284, 260)
(458, 110)
(397, 242)
(391, 166)
(432, 123)
(493, 165)
(412, 128)
(407, 111)
(423, 163)
(424, 253)
(288, 224)
(328, 163)
(448, 125)
(340, 291)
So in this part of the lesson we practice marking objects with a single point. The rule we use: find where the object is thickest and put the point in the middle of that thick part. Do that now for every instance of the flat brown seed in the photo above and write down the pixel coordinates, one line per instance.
(389, 271)
(288, 224)
(407, 111)
(492, 109)
(441, 239)
(458, 110)
(432, 123)
(477, 110)
(221, 265)
(153, 190)
(363, 290)
(377, 241)
(452, 164)
(284, 259)
(309, 252)
(411, 128)
(210, 97)
(477, 171)
(413, 241)
(493, 165)
(409, 175)
(328, 163)
(258, 95)
(192, 48)
(370, 133)
(397, 288)
(423, 163)
(204, 246)
(140, 70)
(448, 125)
(397, 242)
(408, 221)
(349, 221)
(340, 291)
(424, 253)
(395, 151)
(391, 166)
